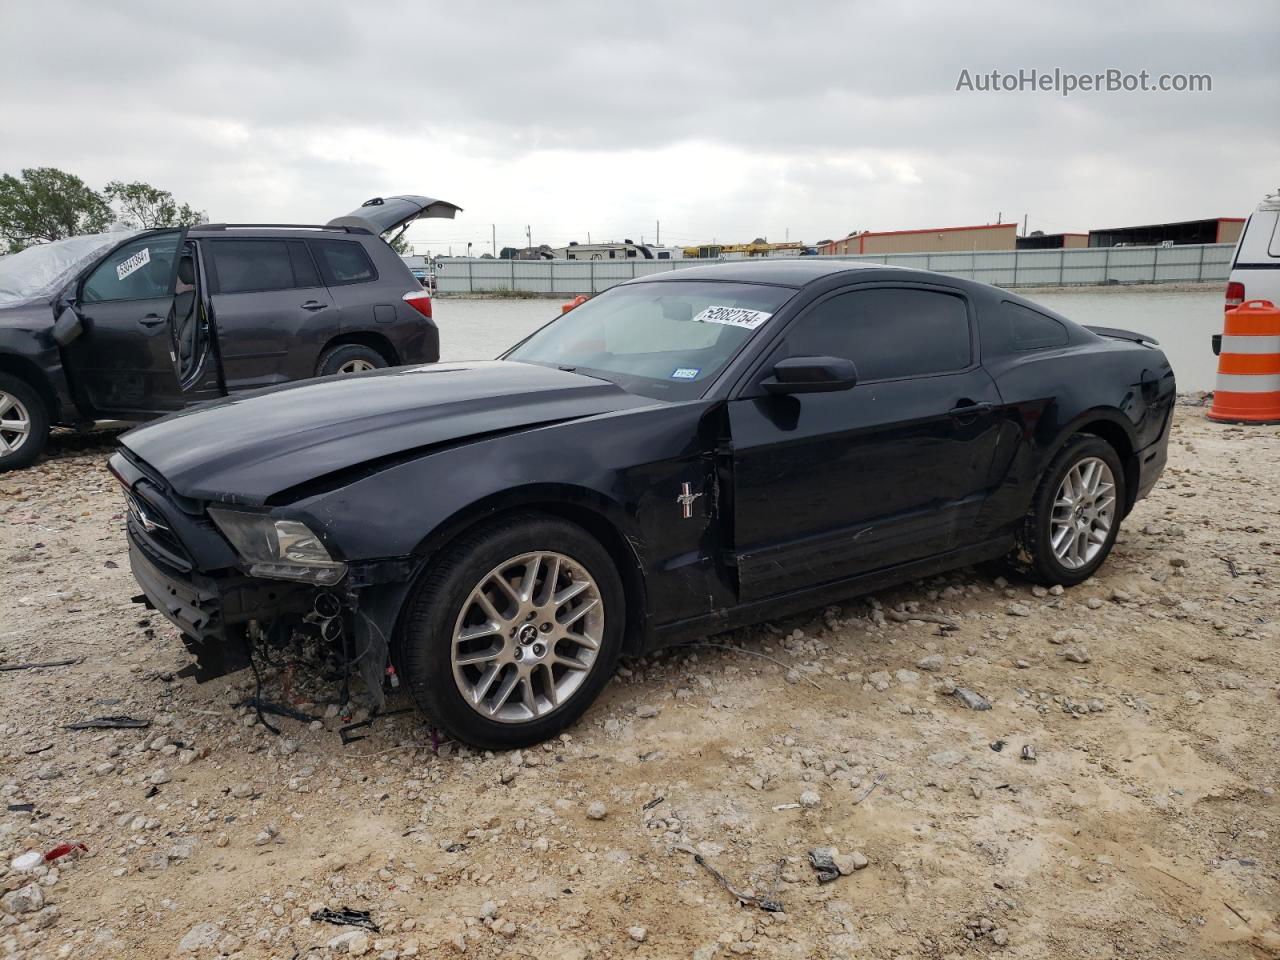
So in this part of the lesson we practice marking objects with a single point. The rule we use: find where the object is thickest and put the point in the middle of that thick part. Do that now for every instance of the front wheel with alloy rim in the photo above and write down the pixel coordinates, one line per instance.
(24, 423)
(513, 632)
(1075, 515)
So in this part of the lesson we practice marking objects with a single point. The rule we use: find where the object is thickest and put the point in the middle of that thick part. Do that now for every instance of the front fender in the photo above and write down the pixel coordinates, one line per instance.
(27, 350)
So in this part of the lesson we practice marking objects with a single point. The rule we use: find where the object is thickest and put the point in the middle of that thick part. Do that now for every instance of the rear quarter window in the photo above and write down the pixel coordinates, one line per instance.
(256, 266)
(1031, 330)
(342, 262)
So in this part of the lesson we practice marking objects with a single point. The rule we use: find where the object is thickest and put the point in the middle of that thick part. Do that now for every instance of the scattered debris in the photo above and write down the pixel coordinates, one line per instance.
(62, 849)
(108, 723)
(1028, 752)
(898, 616)
(751, 653)
(997, 745)
(875, 782)
(346, 917)
(972, 700)
(21, 807)
(38, 666)
(768, 904)
(822, 859)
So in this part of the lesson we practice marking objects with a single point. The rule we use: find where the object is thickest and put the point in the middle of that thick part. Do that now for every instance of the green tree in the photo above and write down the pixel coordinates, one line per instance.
(143, 207)
(400, 245)
(45, 204)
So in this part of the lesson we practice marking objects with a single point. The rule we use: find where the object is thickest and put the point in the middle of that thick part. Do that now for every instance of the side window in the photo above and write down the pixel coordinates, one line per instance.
(245, 266)
(140, 270)
(343, 261)
(888, 333)
(1032, 330)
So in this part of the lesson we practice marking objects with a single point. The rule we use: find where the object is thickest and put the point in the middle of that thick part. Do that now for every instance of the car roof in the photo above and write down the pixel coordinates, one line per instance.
(790, 273)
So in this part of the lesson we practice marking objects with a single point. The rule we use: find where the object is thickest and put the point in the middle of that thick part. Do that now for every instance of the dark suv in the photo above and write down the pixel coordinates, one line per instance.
(132, 325)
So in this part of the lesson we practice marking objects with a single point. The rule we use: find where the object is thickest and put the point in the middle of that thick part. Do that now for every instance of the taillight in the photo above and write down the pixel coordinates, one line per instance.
(420, 300)
(1235, 295)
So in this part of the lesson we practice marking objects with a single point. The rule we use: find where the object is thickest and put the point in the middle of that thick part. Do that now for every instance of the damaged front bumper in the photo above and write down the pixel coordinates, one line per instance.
(188, 573)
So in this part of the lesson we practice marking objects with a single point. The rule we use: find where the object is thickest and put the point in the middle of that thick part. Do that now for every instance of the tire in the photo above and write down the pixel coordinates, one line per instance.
(530, 644)
(23, 410)
(352, 356)
(1076, 529)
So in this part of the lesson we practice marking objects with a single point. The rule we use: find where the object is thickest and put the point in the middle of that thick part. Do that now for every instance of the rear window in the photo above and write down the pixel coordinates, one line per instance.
(254, 266)
(343, 261)
(1032, 330)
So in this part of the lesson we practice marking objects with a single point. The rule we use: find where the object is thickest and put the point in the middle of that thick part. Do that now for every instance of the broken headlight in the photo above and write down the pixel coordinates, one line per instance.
(280, 549)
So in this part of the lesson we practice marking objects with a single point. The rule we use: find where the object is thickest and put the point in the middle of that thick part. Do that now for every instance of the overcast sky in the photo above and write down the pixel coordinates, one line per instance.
(721, 120)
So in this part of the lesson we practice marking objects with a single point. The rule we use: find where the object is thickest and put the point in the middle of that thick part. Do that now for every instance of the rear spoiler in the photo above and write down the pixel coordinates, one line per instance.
(1117, 334)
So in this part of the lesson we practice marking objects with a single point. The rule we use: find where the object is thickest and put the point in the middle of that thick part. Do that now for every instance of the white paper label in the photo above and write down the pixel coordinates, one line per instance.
(134, 263)
(733, 317)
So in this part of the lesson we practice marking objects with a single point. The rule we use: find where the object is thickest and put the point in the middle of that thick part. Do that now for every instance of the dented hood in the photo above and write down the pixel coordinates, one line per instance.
(245, 449)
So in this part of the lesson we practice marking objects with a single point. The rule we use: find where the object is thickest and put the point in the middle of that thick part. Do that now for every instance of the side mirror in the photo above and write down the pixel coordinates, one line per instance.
(812, 375)
(67, 326)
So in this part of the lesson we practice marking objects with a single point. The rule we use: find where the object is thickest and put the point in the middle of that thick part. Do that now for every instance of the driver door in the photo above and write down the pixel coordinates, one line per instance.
(829, 486)
(124, 361)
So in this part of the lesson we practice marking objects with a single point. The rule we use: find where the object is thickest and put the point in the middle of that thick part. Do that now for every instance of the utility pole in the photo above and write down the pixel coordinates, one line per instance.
(493, 228)
(528, 235)
(657, 227)
(1024, 224)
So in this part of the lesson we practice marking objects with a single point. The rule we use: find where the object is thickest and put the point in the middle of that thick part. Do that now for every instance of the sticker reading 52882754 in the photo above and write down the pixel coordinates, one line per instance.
(733, 317)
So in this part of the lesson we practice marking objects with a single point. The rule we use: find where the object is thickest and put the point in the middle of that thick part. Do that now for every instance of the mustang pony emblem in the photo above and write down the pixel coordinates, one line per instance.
(686, 498)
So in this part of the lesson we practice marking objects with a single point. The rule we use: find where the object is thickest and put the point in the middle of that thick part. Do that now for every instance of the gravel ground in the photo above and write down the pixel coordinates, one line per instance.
(1118, 799)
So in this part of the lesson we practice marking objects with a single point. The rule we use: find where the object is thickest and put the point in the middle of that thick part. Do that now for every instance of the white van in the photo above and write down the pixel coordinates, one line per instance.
(1255, 267)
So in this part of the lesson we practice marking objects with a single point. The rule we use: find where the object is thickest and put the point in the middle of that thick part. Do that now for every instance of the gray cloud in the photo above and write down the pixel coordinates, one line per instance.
(722, 120)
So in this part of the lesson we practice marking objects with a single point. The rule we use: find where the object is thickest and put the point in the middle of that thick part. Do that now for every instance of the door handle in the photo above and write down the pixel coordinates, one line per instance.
(151, 320)
(314, 305)
(966, 410)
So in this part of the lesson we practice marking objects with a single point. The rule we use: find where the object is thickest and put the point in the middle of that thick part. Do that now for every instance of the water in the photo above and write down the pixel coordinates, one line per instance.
(1183, 322)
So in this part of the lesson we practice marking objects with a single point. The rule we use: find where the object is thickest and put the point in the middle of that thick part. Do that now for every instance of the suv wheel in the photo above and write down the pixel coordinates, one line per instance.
(1075, 515)
(514, 632)
(24, 423)
(349, 358)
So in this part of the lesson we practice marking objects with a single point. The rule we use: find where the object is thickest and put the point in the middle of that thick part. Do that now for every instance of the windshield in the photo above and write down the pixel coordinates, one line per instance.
(38, 272)
(665, 339)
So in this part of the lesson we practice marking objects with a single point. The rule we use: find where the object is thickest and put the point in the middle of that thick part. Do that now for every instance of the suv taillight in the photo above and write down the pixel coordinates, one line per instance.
(420, 300)
(1235, 295)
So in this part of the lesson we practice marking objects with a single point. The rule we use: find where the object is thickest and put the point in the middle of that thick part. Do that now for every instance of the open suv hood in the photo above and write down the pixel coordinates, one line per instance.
(245, 449)
(383, 214)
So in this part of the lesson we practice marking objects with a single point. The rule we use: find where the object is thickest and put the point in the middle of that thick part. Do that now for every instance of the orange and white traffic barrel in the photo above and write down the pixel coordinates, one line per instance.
(1248, 388)
(575, 302)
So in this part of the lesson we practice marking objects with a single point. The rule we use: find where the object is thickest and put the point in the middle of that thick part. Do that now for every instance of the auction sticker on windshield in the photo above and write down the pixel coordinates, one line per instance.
(733, 317)
(134, 263)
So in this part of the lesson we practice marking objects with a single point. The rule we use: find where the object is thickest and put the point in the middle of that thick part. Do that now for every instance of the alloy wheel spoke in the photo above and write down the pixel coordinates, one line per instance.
(482, 688)
(529, 580)
(549, 681)
(571, 591)
(504, 691)
(482, 656)
(490, 611)
(7, 403)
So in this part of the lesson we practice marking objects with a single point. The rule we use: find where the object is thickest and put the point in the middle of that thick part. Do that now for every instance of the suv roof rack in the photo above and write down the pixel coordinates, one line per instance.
(276, 226)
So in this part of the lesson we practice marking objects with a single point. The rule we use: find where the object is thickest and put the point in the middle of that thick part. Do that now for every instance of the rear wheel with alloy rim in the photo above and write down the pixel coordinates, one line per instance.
(514, 632)
(24, 423)
(1075, 515)
(349, 358)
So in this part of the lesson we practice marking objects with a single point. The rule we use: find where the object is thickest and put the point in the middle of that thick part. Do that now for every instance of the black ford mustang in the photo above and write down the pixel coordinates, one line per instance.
(682, 454)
